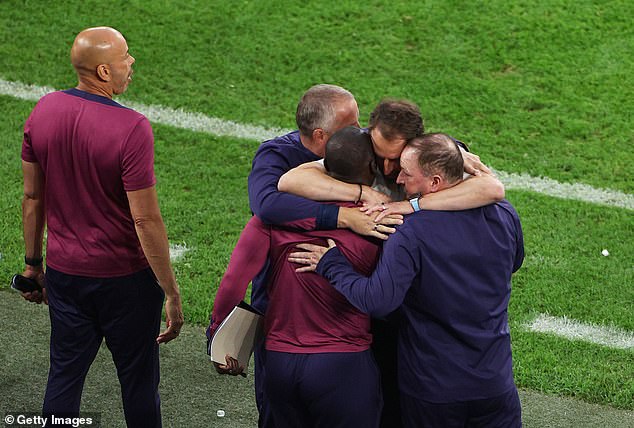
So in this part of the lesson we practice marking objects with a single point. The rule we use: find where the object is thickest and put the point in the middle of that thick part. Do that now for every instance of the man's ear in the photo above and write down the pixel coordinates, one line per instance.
(436, 183)
(103, 72)
(319, 136)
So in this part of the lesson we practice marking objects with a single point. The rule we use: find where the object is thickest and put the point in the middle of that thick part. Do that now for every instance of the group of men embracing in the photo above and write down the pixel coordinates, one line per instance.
(411, 334)
(381, 258)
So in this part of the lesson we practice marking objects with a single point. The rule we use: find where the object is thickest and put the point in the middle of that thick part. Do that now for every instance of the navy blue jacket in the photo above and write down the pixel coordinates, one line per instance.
(272, 160)
(450, 274)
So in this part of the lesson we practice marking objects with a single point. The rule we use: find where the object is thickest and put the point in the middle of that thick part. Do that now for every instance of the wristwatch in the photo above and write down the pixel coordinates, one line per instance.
(33, 261)
(414, 203)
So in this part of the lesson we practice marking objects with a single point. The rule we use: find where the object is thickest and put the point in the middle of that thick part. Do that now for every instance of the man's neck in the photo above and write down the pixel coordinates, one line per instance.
(310, 145)
(93, 88)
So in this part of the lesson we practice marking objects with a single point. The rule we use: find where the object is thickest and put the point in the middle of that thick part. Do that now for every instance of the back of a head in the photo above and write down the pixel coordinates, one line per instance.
(397, 119)
(439, 154)
(349, 156)
(93, 46)
(316, 109)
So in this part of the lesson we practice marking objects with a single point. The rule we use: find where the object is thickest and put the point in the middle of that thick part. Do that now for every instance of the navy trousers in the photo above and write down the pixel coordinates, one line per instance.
(503, 411)
(326, 390)
(126, 311)
(265, 416)
(384, 349)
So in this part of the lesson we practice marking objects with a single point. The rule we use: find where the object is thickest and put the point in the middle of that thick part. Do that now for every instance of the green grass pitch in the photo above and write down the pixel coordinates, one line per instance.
(542, 88)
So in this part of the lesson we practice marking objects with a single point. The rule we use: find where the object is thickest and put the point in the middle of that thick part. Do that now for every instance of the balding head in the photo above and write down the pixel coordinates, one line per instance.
(439, 154)
(102, 62)
(318, 109)
(94, 46)
(430, 163)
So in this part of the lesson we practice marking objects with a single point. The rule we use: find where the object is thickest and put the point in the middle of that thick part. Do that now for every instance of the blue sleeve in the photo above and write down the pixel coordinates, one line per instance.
(283, 209)
(382, 292)
(519, 242)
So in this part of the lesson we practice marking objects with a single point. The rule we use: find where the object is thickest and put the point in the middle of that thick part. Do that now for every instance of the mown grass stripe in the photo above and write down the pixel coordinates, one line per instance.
(201, 123)
(576, 330)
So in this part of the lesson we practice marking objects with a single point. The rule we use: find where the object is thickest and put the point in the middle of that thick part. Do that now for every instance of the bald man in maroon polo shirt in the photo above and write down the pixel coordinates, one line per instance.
(88, 166)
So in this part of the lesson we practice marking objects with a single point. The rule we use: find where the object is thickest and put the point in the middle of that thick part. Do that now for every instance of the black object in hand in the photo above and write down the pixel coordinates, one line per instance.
(24, 284)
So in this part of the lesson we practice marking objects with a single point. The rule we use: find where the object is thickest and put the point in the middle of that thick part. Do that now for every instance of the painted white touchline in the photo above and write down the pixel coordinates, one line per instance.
(23, 91)
(612, 337)
(225, 128)
(164, 115)
(575, 191)
(177, 251)
(200, 123)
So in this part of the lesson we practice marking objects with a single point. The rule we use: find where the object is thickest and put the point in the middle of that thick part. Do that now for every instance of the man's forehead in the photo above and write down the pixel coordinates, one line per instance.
(390, 149)
(408, 158)
(379, 138)
(409, 153)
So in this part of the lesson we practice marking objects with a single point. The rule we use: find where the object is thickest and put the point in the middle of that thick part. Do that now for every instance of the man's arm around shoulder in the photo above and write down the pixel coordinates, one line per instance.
(311, 181)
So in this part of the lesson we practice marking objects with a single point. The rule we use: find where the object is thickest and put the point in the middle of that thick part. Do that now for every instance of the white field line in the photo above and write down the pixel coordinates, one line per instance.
(612, 337)
(164, 115)
(200, 123)
(575, 191)
(177, 251)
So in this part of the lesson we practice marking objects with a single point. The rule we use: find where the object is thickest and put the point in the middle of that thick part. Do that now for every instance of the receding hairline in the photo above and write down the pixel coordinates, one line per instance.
(449, 161)
(435, 138)
(319, 105)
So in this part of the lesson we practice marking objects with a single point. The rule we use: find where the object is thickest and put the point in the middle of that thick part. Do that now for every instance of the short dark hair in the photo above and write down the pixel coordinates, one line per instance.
(439, 154)
(349, 156)
(316, 109)
(397, 119)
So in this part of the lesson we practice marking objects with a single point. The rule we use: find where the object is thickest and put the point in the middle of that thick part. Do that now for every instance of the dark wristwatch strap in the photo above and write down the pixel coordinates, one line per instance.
(33, 261)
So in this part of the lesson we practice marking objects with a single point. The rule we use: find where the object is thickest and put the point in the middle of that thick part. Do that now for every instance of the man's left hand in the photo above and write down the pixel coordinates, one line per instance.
(310, 257)
(174, 320)
(473, 165)
(389, 210)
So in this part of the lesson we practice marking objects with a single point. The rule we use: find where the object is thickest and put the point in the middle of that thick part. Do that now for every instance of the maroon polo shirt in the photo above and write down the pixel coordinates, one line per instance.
(92, 151)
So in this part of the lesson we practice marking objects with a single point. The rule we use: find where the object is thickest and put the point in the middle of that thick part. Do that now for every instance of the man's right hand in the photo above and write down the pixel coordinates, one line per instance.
(36, 273)
(363, 224)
